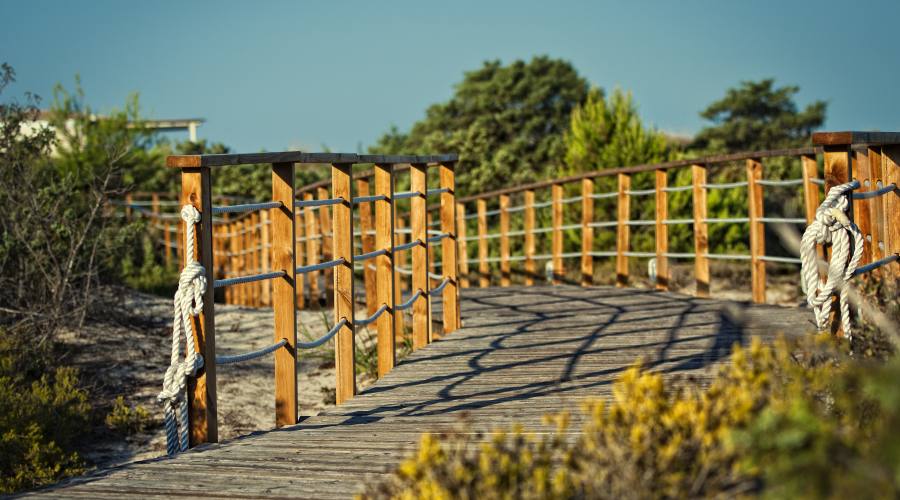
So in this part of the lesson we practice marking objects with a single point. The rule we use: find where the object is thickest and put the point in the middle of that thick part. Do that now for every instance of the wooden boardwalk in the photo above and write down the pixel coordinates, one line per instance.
(523, 352)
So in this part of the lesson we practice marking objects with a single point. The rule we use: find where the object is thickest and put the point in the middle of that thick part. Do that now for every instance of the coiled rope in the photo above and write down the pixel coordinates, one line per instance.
(188, 303)
(831, 225)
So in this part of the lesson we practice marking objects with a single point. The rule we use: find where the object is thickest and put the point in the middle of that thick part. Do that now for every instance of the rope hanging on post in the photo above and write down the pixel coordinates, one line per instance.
(831, 225)
(188, 303)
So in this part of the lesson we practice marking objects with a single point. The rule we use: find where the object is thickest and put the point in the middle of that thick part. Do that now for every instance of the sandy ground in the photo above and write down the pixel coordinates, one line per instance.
(139, 339)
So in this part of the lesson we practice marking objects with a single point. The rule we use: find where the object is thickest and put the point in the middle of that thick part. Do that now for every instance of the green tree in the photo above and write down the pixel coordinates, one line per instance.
(756, 116)
(609, 133)
(506, 123)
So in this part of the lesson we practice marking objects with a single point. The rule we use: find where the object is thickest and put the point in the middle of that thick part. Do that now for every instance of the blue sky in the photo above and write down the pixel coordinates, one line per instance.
(300, 75)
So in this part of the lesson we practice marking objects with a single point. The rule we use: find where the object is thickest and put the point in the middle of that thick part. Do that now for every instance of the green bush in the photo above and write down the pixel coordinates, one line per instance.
(127, 419)
(42, 413)
(785, 421)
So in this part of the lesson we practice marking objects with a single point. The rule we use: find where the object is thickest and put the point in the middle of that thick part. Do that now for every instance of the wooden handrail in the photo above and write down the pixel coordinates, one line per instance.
(263, 242)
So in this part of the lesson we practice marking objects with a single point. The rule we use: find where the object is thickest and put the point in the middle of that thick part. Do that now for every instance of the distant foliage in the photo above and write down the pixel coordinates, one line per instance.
(756, 116)
(505, 121)
(609, 133)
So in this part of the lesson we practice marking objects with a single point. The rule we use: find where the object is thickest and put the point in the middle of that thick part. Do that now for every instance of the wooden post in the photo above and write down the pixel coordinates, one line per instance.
(342, 237)
(876, 206)
(243, 296)
(891, 204)
(448, 248)
(530, 268)
(266, 292)
(421, 321)
(384, 266)
(863, 173)
(196, 189)
(431, 260)
(234, 243)
(327, 245)
(810, 189)
(284, 296)
(701, 231)
(757, 230)
(837, 171)
(312, 252)
(368, 245)
(154, 208)
(400, 284)
(299, 279)
(559, 271)
(623, 230)
(587, 232)
(255, 257)
(463, 247)
(504, 240)
(662, 230)
(484, 271)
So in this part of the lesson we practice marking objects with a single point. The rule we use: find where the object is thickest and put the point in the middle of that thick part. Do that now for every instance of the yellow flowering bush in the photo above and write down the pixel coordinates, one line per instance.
(770, 422)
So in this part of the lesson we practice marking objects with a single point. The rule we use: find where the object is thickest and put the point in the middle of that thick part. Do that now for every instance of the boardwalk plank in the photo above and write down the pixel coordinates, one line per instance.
(522, 353)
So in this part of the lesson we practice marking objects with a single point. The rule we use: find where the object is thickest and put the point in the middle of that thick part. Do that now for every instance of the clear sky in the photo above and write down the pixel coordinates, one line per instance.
(300, 75)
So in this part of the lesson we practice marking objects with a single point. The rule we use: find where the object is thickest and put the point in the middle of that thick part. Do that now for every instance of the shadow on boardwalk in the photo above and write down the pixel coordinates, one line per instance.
(523, 353)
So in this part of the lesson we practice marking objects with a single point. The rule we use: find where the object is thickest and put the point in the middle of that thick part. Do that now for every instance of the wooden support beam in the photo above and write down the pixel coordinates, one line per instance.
(484, 271)
(299, 246)
(837, 166)
(265, 254)
(448, 248)
(463, 246)
(327, 245)
(342, 239)
(810, 189)
(701, 231)
(196, 190)
(368, 245)
(861, 208)
(530, 267)
(504, 240)
(400, 283)
(431, 259)
(623, 230)
(312, 251)
(662, 231)
(891, 207)
(556, 207)
(876, 206)
(587, 232)
(384, 266)
(234, 246)
(284, 301)
(757, 230)
(421, 308)
(256, 258)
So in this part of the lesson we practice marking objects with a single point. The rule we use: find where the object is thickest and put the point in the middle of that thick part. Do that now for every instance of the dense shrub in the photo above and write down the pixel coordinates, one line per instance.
(42, 411)
(772, 422)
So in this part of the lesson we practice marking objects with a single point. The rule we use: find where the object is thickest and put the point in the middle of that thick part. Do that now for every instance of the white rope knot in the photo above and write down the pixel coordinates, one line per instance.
(831, 225)
(188, 303)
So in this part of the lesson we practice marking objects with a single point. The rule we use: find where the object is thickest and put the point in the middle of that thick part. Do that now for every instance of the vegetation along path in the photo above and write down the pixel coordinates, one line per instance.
(522, 353)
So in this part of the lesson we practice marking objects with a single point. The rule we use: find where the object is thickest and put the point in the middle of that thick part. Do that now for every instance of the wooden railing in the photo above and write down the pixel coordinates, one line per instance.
(259, 255)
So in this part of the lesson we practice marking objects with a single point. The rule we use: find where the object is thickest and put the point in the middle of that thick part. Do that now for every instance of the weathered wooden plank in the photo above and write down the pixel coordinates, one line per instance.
(662, 230)
(757, 231)
(623, 230)
(528, 226)
(342, 233)
(484, 272)
(196, 190)
(504, 241)
(587, 232)
(384, 267)
(556, 195)
(701, 231)
(284, 295)
(421, 333)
